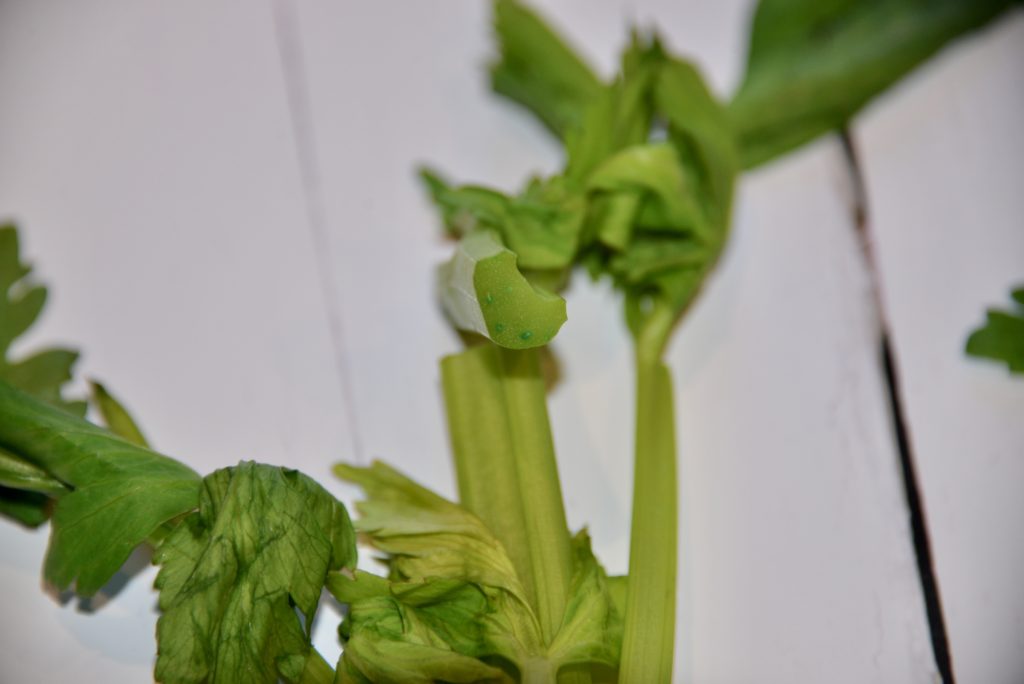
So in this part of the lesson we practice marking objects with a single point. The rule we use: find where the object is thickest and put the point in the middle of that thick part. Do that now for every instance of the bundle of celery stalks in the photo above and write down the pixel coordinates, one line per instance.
(493, 587)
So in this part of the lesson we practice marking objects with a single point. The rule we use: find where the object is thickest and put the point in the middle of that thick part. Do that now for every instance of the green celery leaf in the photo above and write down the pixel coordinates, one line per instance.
(121, 492)
(426, 535)
(611, 219)
(620, 116)
(44, 373)
(676, 241)
(26, 507)
(466, 208)
(700, 129)
(435, 545)
(541, 226)
(652, 172)
(649, 256)
(418, 632)
(547, 220)
(18, 473)
(25, 489)
(235, 572)
(453, 592)
(116, 416)
(483, 291)
(591, 631)
(537, 69)
(813, 64)
(1002, 336)
(618, 585)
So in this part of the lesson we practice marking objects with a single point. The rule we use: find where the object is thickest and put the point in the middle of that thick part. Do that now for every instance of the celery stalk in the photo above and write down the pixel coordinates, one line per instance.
(506, 469)
(647, 647)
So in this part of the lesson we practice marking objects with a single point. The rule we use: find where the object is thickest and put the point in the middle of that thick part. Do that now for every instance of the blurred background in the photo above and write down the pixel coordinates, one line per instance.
(222, 197)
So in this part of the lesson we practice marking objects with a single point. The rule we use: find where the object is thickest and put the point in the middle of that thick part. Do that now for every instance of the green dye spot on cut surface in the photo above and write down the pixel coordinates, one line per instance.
(489, 299)
(499, 327)
(525, 335)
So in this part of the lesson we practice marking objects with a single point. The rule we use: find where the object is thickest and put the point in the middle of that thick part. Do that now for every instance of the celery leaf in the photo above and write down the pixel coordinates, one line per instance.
(453, 594)
(116, 416)
(418, 632)
(1002, 336)
(537, 69)
(44, 373)
(121, 493)
(812, 65)
(234, 573)
(542, 225)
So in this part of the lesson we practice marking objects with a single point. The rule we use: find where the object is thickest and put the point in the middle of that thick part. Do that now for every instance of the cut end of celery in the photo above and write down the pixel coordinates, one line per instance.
(484, 292)
(517, 315)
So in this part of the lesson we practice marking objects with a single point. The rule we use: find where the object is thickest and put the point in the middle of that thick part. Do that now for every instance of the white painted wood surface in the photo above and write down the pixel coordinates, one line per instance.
(146, 149)
(222, 196)
(944, 160)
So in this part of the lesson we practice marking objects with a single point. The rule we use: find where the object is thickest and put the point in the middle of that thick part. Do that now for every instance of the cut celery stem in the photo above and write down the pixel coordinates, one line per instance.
(648, 640)
(484, 452)
(540, 492)
(506, 469)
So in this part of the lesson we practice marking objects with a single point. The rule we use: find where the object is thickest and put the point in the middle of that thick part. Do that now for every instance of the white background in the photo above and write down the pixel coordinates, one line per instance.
(222, 196)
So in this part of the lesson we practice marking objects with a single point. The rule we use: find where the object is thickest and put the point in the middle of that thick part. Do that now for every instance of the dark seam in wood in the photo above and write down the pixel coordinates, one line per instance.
(911, 487)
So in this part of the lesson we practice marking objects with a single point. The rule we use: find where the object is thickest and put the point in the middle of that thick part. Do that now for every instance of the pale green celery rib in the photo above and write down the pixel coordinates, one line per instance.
(647, 645)
(547, 532)
(484, 454)
(506, 469)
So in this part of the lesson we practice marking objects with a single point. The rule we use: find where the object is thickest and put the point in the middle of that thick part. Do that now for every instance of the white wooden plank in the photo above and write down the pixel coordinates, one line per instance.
(387, 96)
(797, 549)
(796, 557)
(943, 159)
(146, 148)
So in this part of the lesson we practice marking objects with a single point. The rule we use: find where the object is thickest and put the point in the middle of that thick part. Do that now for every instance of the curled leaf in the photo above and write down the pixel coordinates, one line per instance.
(483, 291)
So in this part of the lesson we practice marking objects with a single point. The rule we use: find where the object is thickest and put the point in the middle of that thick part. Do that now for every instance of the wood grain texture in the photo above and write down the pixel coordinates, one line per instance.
(943, 158)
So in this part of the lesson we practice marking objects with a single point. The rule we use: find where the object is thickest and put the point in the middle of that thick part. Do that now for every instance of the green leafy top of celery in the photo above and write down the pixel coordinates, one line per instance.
(417, 632)
(44, 373)
(115, 415)
(120, 493)
(813, 64)
(539, 69)
(27, 488)
(234, 572)
(650, 168)
(453, 592)
(1002, 336)
(239, 551)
